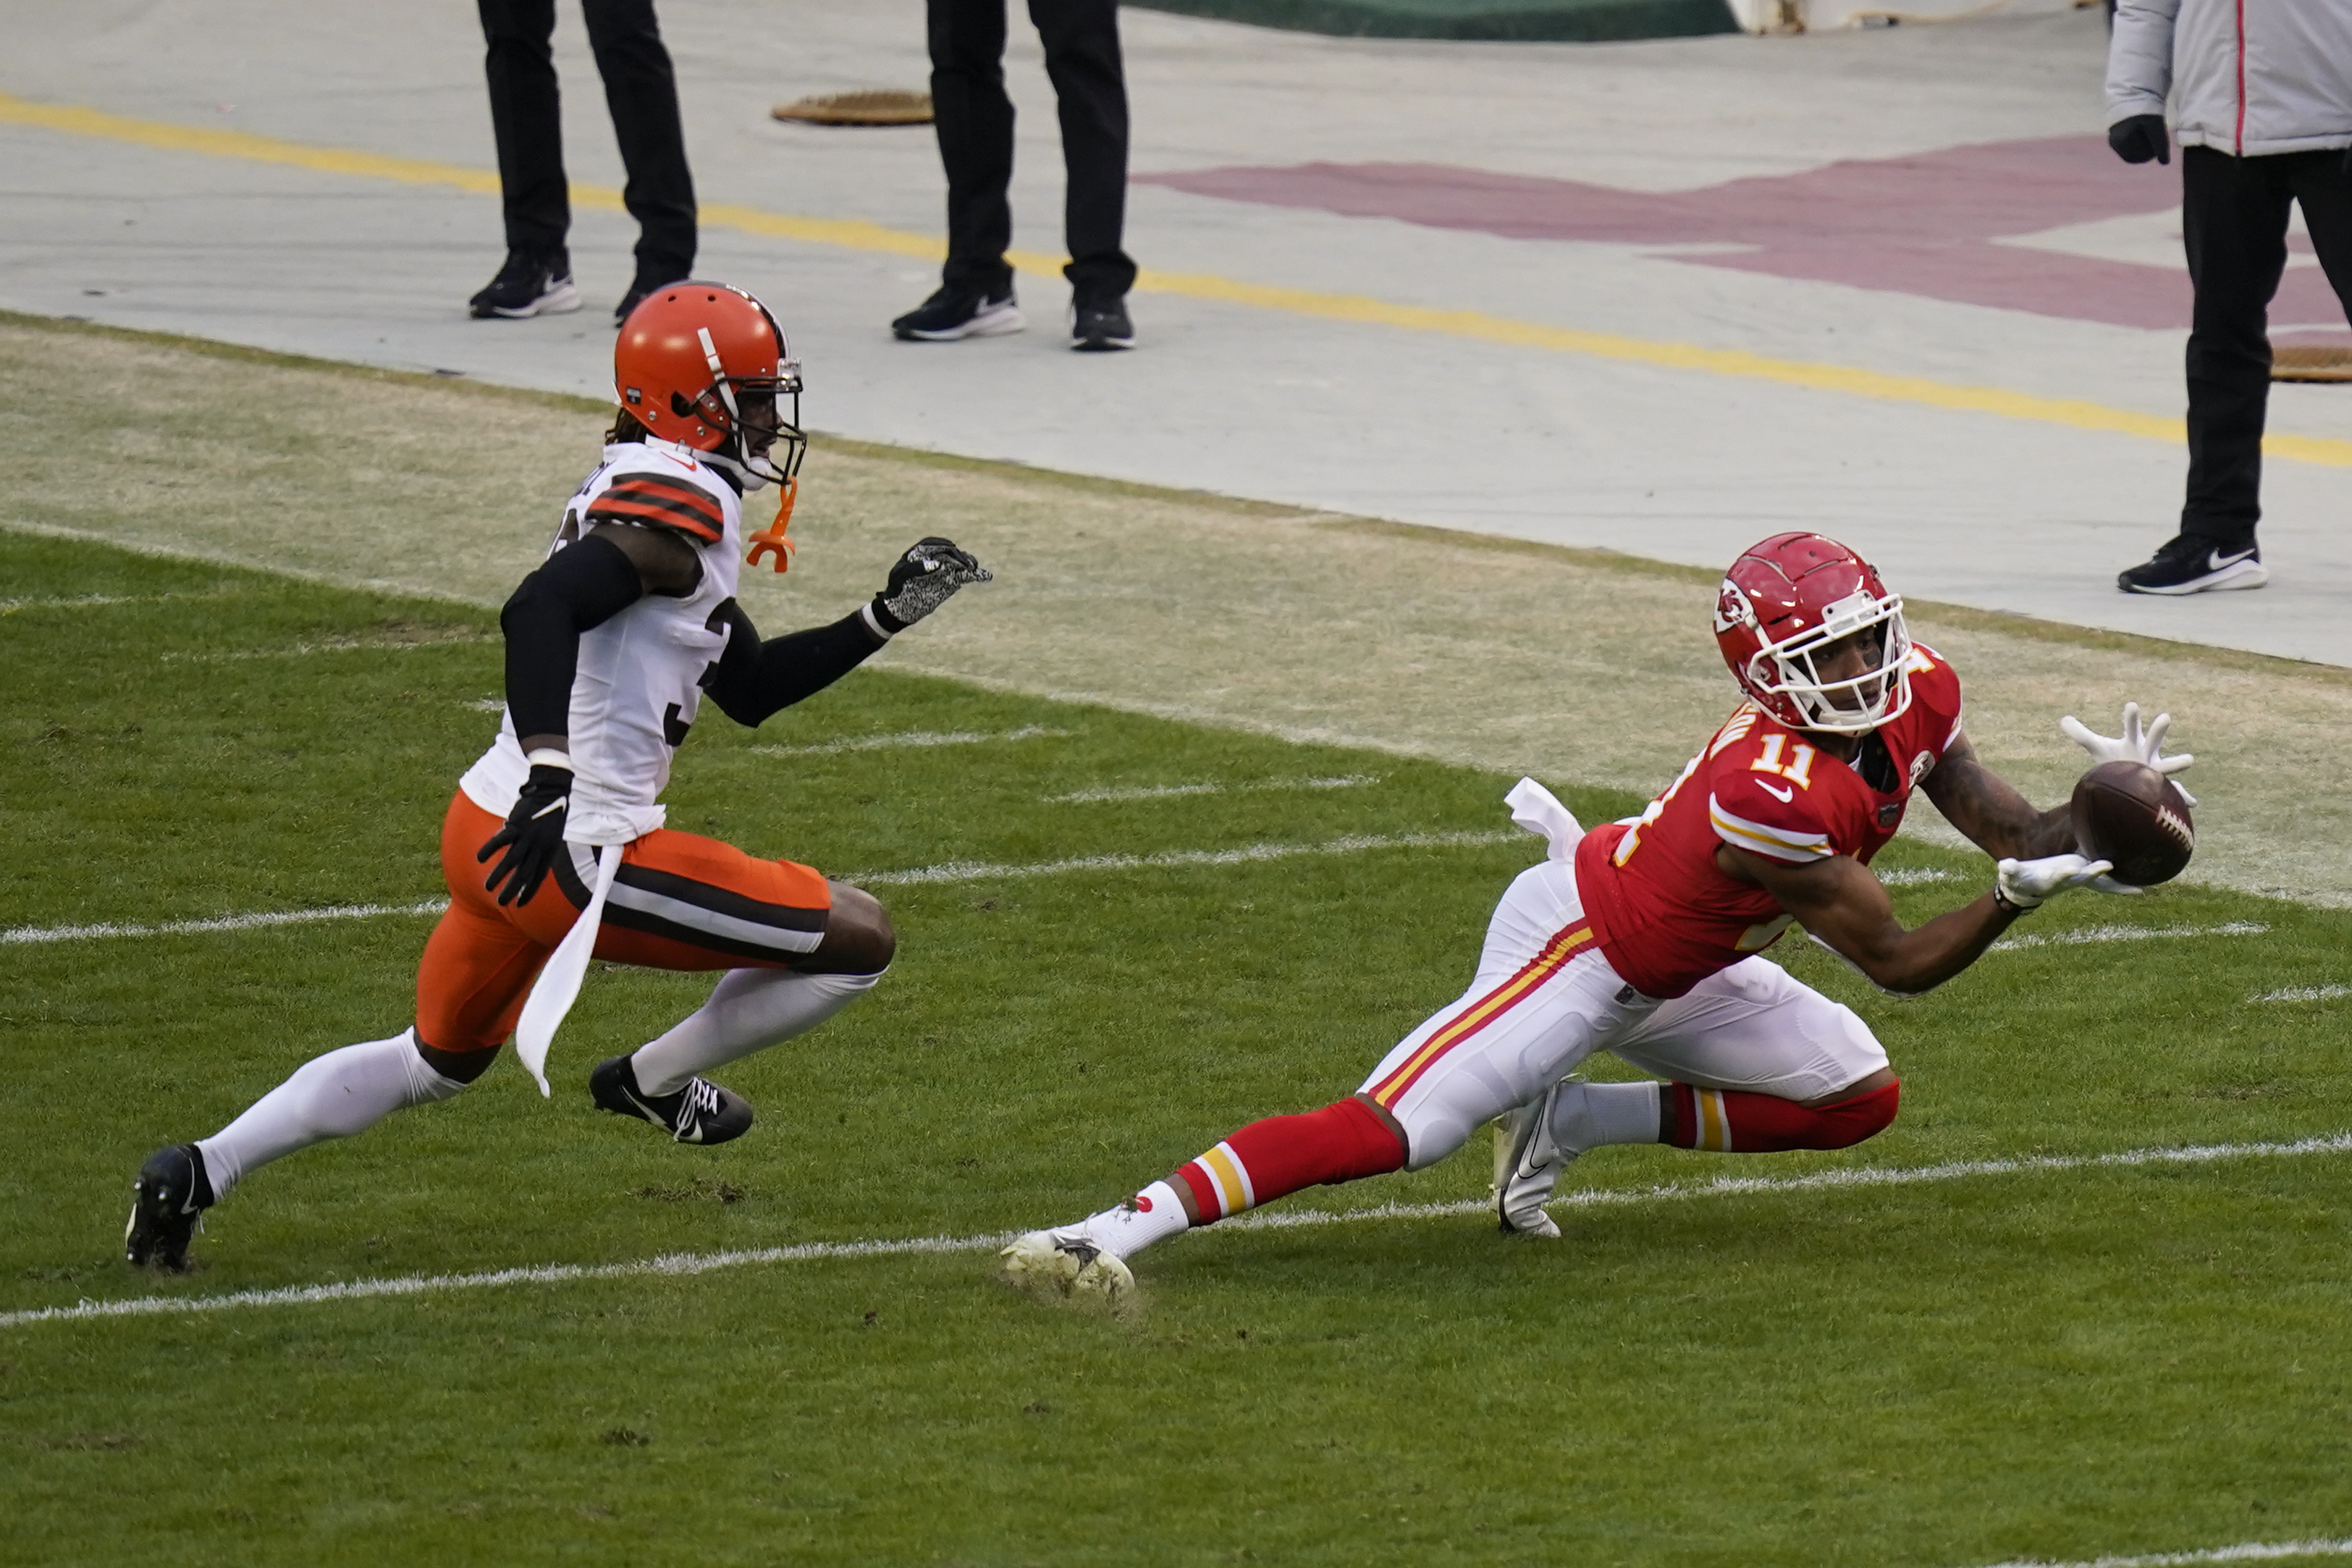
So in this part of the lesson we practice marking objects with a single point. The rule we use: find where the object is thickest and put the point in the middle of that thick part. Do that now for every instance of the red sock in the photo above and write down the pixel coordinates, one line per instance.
(1281, 1155)
(1732, 1121)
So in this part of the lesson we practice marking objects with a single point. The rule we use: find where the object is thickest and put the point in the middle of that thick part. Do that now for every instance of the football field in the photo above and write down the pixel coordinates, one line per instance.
(2085, 1299)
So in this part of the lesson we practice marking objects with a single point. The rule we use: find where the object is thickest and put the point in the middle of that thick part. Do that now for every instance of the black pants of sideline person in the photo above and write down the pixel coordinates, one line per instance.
(974, 120)
(2235, 218)
(640, 89)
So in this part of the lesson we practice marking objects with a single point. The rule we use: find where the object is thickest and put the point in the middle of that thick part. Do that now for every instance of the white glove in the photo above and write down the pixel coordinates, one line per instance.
(2132, 745)
(2030, 884)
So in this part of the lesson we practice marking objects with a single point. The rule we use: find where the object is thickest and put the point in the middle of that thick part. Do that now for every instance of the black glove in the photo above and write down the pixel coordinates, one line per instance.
(2140, 138)
(533, 837)
(922, 579)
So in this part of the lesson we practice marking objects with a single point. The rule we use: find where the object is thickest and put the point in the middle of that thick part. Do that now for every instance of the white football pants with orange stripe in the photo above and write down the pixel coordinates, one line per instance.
(1544, 999)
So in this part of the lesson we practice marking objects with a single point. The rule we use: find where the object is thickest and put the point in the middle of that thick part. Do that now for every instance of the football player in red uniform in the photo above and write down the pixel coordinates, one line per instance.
(610, 646)
(1642, 938)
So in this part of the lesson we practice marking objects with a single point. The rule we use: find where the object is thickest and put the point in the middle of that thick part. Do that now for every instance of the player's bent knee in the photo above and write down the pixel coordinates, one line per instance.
(457, 1066)
(859, 936)
(1864, 1116)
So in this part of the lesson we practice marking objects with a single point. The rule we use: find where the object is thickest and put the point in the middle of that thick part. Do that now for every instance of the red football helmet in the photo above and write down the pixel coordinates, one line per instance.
(706, 365)
(1783, 604)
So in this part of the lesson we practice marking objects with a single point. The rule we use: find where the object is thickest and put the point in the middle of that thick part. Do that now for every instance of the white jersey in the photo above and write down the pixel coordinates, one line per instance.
(640, 673)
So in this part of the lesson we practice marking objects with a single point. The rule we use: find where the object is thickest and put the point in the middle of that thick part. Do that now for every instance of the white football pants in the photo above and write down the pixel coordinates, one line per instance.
(1544, 999)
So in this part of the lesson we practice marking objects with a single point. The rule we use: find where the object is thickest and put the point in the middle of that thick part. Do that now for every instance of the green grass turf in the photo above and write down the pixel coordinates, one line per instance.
(2059, 1365)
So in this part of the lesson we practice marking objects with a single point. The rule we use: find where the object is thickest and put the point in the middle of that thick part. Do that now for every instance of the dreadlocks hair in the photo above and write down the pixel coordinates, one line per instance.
(624, 428)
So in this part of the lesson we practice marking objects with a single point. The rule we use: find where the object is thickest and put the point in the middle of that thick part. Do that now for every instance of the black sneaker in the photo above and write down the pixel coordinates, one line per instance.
(171, 1195)
(528, 285)
(701, 1113)
(951, 313)
(2187, 565)
(636, 295)
(1098, 329)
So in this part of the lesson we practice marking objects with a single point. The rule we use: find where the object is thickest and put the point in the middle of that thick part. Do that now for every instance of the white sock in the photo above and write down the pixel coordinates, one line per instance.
(1153, 1215)
(333, 1096)
(1588, 1115)
(750, 1010)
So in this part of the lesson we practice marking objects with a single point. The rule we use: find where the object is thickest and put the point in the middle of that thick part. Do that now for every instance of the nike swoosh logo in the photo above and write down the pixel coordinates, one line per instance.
(1782, 796)
(2215, 564)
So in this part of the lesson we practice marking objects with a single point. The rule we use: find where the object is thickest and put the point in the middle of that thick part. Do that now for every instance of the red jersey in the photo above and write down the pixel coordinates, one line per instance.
(1667, 916)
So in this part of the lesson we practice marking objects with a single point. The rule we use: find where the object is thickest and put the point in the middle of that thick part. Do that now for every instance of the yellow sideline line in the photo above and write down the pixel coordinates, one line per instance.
(856, 234)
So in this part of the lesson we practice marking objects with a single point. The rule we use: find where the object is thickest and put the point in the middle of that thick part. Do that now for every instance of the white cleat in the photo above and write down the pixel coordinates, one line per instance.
(1058, 1265)
(1528, 1163)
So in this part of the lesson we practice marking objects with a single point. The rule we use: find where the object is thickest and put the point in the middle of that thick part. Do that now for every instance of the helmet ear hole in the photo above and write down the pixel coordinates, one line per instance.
(681, 406)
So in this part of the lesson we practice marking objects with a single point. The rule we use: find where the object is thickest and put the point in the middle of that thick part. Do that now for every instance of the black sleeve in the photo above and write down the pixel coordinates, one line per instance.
(579, 586)
(755, 680)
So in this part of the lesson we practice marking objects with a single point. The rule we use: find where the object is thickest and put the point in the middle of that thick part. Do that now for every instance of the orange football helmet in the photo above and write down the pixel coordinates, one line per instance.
(706, 365)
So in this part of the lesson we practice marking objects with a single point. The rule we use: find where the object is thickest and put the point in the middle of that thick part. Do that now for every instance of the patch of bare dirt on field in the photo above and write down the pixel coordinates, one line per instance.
(1572, 666)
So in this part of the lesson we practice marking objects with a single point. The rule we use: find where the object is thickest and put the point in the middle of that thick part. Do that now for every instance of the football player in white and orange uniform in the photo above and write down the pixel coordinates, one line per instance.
(611, 647)
(1644, 937)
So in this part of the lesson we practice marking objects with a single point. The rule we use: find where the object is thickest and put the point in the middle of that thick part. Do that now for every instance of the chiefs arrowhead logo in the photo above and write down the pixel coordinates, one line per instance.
(1732, 608)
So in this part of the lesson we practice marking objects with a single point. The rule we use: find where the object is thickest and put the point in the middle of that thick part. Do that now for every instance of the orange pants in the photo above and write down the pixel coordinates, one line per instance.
(680, 901)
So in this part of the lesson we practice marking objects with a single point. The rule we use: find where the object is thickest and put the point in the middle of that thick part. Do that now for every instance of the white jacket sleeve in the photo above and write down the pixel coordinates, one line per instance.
(2139, 57)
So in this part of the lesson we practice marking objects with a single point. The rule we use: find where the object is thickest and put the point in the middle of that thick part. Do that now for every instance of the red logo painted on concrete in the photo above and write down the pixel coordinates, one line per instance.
(1928, 224)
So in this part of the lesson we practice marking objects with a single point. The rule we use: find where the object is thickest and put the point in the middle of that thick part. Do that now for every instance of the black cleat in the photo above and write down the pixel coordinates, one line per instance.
(2187, 565)
(701, 1113)
(526, 286)
(1102, 327)
(951, 313)
(172, 1194)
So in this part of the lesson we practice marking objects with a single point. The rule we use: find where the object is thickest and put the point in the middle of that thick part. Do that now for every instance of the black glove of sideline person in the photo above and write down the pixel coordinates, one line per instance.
(2140, 138)
(533, 837)
(922, 579)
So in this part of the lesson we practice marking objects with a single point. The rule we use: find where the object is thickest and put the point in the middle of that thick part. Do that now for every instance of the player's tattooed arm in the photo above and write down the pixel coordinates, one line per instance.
(1838, 900)
(1990, 811)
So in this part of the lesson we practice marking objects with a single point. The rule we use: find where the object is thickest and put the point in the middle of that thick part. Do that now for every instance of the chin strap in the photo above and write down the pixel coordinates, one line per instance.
(772, 540)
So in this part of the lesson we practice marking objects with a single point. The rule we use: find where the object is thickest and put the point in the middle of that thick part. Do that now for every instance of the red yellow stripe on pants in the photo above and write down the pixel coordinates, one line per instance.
(1711, 1120)
(1481, 1013)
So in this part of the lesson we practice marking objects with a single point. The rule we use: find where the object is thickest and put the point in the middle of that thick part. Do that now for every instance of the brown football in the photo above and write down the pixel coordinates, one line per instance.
(2130, 813)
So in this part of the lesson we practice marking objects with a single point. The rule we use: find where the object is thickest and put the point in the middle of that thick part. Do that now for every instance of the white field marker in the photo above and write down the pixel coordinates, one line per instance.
(2125, 933)
(911, 738)
(2245, 1552)
(102, 601)
(226, 923)
(488, 704)
(954, 871)
(1916, 875)
(2305, 993)
(1169, 792)
(677, 1264)
(331, 644)
(977, 871)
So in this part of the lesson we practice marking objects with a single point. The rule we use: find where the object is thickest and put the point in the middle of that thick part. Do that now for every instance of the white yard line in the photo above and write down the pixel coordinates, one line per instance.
(1168, 792)
(1916, 875)
(978, 872)
(225, 923)
(679, 1264)
(2247, 1552)
(2125, 933)
(912, 738)
(331, 644)
(954, 871)
(2305, 993)
(102, 601)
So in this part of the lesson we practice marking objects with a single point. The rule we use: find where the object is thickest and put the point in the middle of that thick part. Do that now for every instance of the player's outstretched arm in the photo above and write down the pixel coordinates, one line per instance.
(756, 679)
(1838, 900)
(1988, 810)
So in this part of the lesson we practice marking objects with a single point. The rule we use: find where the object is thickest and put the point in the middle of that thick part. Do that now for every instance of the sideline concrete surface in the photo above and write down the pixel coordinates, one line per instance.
(1542, 435)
